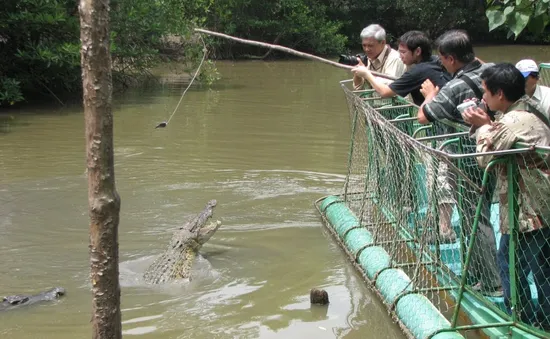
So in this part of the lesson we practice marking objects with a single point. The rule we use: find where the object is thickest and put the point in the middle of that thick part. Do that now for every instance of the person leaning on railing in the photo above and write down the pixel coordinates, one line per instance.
(504, 91)
(456, 53)
(415, 48)
(540, 94)
(381, 57)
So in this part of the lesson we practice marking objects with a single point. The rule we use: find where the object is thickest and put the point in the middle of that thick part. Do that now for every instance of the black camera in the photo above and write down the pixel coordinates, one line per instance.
(351, 60)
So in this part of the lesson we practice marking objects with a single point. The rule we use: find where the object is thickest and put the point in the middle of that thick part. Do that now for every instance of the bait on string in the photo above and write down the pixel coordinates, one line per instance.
(264, 45)
(165, 123)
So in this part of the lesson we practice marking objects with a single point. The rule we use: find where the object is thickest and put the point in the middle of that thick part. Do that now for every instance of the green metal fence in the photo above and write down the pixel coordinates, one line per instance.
(417, 194)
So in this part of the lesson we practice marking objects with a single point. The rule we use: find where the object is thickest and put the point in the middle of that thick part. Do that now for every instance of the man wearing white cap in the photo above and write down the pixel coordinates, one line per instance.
(539, 93)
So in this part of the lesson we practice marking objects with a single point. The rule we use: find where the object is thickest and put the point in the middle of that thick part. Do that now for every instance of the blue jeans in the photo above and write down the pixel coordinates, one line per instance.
(532, 255)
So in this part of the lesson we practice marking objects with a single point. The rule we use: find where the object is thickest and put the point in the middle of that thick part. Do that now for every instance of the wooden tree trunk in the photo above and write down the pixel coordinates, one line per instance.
(103, 200)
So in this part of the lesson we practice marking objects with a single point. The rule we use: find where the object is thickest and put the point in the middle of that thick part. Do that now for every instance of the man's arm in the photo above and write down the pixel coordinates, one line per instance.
(422, 116)
(493, 137)
(438, 103)
(358, 83)
(383, 89)
(429, 91)
(512, 127)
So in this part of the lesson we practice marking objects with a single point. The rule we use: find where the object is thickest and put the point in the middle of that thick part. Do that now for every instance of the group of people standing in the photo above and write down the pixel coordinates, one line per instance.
(511, 107)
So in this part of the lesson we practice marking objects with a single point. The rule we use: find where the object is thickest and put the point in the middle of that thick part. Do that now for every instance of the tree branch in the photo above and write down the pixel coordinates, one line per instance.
(287, 50)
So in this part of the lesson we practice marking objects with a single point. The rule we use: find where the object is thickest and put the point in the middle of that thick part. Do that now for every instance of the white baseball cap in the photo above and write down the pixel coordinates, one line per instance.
(527, 66)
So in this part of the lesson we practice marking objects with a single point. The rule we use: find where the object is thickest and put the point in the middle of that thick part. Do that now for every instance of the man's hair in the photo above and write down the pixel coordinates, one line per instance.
(417, 39)
(373, 31)
(504, 77)
(456, 43)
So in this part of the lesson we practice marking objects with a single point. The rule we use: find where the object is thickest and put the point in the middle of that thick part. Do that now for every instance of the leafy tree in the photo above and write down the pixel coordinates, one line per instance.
(431, 16)
(142, 29)
(437, 16)
(40, 42)
(518, 15)
(301, 24)
(39, 47)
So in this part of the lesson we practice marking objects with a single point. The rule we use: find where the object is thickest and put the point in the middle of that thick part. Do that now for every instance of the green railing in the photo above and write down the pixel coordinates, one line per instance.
(402, 180)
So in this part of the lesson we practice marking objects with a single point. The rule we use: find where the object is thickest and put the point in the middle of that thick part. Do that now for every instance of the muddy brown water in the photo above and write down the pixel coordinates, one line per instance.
(266, 141)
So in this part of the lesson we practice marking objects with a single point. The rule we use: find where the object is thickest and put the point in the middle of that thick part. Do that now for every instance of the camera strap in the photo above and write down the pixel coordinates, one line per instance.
(541, 116)
(472, 86)
(534, 108)
(382, 63)
(476, 91)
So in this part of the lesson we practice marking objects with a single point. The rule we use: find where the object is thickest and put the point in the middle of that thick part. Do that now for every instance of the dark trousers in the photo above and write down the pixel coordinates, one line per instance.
(483, 262)
(532, 255)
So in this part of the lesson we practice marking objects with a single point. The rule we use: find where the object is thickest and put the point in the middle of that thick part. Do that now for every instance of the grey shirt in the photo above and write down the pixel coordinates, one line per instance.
(443, 105)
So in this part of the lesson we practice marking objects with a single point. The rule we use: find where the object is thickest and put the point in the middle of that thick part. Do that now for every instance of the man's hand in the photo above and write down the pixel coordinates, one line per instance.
(360, 71)
(476, 117)
(428, 90)
(358, 80)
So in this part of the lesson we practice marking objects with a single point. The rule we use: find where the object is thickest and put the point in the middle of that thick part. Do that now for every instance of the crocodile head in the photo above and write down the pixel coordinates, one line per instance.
(206, 232)
(198, 230)
(176, 262)
(55, 292)
(184, 239)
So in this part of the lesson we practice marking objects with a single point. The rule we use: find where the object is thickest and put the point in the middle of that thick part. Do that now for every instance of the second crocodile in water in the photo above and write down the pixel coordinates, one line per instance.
(176, 261)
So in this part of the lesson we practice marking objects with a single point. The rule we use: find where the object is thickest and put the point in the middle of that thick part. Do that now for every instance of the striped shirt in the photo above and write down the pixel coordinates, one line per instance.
(443, 105)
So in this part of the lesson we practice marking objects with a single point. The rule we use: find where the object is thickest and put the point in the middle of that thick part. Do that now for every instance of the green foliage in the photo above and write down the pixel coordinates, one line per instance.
(518, 15)
(437, 16)
(301, 24)
(209, 74)
(10, 93)
(399, 16)
(140, 27)
(40, 45)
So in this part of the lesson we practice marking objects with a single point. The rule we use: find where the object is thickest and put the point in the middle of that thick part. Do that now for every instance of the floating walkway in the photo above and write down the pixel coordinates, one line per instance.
(387, 216)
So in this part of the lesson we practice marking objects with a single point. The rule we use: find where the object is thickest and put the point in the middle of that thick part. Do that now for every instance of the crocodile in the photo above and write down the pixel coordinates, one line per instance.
(176, 261)
(16, 301)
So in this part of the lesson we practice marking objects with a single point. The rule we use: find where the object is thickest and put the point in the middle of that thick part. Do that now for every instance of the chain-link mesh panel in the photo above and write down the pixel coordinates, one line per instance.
(524, 253)
(432, 213)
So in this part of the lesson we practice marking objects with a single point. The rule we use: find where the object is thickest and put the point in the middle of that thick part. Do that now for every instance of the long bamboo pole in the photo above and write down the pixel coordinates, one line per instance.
(287, 50)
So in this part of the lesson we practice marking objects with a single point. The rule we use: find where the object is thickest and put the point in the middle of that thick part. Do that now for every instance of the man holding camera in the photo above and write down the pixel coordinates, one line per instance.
(381, 57)
(415, 48)
(456, 53)
(522, 121)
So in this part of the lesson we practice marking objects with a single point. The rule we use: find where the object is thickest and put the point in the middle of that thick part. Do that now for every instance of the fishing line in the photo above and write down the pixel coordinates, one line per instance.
(165, 123)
